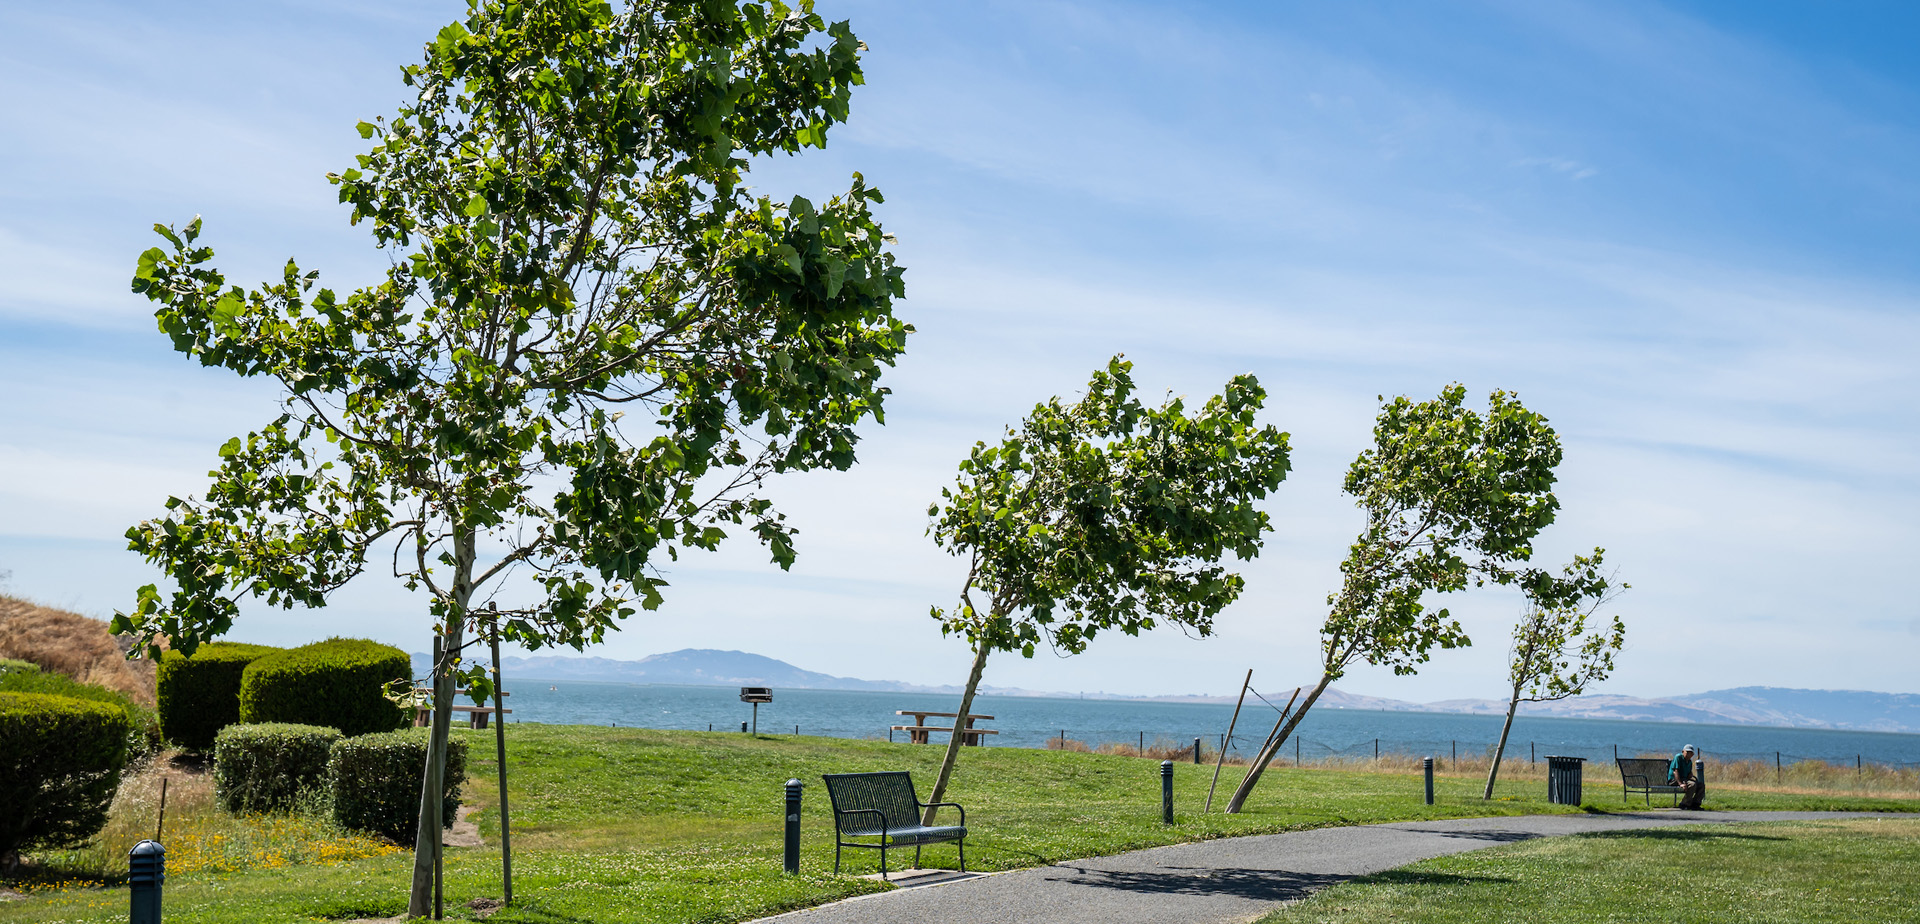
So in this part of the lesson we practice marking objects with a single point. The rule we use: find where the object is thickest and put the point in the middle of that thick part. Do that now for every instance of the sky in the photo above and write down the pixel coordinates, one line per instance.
(1685, 232)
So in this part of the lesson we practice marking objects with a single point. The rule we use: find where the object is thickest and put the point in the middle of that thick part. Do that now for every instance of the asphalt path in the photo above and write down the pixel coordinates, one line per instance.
(1228, 879)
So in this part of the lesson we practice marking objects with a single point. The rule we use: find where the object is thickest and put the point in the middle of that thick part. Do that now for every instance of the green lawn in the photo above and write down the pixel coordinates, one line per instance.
(637, 825)
(1844, 870)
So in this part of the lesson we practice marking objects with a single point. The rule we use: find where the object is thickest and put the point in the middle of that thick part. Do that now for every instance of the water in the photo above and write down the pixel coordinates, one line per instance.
(1030, 721)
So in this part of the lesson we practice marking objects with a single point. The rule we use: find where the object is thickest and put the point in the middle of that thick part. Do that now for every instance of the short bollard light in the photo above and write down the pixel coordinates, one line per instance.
(1426, 765)
(1196, 750)
(146, 873)
(793, 826)
(1166, 791)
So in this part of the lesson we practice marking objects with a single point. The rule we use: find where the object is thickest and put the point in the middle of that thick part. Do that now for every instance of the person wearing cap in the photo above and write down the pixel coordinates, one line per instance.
(1680, 773)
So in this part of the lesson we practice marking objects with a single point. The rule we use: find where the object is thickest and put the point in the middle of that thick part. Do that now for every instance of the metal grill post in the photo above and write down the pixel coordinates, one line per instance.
(1426, 766)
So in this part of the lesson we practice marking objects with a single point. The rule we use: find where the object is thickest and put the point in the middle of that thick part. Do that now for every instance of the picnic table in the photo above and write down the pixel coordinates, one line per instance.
(917, 732)
(476, 715)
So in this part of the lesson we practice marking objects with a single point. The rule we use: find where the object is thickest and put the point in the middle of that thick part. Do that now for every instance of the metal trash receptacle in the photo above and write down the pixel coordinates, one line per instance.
(1563, 779)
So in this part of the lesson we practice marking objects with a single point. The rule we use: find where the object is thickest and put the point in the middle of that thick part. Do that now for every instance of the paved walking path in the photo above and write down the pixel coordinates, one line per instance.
(1229, 879)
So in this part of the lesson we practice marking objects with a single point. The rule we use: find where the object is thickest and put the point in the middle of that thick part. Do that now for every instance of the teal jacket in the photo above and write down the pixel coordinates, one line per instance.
(1680, 769)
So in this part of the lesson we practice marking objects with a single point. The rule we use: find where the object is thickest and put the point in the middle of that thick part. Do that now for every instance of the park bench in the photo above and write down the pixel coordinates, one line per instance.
(1648, 777)
(884, 806)
(917, 732)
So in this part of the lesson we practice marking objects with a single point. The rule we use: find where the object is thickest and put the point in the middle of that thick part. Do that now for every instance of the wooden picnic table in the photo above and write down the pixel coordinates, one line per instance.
(918, 731)
(476, 715)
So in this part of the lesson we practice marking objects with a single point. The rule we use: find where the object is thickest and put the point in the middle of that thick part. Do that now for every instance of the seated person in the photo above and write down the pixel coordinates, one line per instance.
(1680, 773)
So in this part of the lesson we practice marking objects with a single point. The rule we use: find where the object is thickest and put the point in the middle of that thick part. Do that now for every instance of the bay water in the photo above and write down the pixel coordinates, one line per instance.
(1024, 721)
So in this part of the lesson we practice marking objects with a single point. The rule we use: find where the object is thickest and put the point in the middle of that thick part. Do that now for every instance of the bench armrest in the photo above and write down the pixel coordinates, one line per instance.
(963, 810)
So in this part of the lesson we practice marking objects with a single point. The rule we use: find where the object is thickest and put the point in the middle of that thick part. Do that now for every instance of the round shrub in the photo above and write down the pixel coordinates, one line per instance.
(375, 782)
(339, 683)
(60, 762)
(200, 695)
(143, 735)
(272, 767)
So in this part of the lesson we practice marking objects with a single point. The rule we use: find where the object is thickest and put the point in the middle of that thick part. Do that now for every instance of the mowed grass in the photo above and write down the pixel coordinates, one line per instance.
(639, 825)
(1842, 870)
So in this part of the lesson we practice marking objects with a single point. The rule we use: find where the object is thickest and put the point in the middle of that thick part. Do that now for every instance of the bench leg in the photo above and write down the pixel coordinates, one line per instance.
(836, 856)
(916, 855)
(963, 854)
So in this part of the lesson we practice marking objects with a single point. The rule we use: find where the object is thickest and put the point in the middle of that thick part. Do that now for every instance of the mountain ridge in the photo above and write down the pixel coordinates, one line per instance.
(1786, 707)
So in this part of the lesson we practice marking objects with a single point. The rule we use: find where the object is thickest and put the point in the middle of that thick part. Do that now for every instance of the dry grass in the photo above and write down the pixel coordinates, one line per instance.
(200, 837)
(1812, 777)
(74, 645)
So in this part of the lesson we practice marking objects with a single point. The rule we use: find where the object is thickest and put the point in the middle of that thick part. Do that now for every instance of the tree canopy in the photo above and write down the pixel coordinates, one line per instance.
(1105, 515)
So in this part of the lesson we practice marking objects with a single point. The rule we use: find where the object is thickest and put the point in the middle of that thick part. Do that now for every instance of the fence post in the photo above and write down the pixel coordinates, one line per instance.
(1426, 766)
(793, 826)
(1776, 768)
(1296, 750)
(1376, 750)
(1166, 791)
(1143, 744)
(146, 875)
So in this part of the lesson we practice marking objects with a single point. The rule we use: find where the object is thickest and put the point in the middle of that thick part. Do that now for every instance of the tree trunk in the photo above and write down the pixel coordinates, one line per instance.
(426, 844)
(1500, 749)
(959, 734)
(1266, 753)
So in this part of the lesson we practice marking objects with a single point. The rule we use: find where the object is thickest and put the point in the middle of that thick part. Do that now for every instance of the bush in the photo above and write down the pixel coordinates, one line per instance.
(338, 683)
(60, 762)
(143, 727)
(11, 665)
(375, 781)
(200, 695)
(271, 768)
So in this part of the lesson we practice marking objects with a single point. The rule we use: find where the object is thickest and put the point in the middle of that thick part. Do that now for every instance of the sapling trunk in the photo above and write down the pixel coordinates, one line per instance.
(1266, 753)
(980, 651)
(426, 845)
(1500, 750)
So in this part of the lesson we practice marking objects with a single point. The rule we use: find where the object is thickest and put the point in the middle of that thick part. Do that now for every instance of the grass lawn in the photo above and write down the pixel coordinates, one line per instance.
(1843, 870)
(638, 825)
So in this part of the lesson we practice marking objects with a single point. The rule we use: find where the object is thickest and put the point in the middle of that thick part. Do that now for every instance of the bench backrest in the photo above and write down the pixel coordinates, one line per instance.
(1643, 771)
(890, 792)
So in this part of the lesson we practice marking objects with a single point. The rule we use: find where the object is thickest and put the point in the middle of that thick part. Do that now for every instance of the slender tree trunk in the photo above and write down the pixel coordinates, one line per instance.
(1499, 750)
(426, 844)
(1266, 753)
(959, 733)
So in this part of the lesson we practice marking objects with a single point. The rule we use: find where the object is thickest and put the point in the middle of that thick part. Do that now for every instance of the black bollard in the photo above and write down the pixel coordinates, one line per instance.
(793, 826)
(146, 874)
(1426, 764)
(743, 728)
(1196, 750)
(1166, 791)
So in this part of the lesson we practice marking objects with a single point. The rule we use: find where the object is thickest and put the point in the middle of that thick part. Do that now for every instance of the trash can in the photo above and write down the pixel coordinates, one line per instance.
(1563, 779)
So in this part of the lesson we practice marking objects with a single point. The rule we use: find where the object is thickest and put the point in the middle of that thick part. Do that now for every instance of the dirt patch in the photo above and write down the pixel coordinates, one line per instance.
(9, 895)
(464, 833)
(485, 907)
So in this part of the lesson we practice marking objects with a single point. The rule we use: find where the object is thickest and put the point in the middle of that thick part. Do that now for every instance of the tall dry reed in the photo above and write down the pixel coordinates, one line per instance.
(74, 645)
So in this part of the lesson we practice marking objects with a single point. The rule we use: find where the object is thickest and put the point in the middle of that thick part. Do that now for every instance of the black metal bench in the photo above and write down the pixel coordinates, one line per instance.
(884, 806)
(1648, 777)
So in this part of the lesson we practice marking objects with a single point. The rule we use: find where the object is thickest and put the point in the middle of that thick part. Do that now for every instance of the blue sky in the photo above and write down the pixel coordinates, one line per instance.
(1685, 232)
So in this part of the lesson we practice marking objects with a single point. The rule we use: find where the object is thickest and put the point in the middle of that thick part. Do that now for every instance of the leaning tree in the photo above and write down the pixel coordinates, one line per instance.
(1555, 654)
(1104, 514)
(592, 346)
(1453, 499)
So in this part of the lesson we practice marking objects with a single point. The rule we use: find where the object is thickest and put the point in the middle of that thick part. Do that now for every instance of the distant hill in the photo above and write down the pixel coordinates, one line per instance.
(1774, 706)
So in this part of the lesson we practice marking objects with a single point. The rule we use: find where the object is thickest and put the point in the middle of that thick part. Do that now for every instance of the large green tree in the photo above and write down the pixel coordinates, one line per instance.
(593, 345)
(1100, 515)
(1453, 499)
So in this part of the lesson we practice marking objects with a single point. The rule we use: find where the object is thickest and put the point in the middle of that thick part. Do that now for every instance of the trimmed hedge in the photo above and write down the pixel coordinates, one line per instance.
(60, 762)
(338, 683)
(200, 695)
(143, 728)
(271, 768)
(376, 782)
